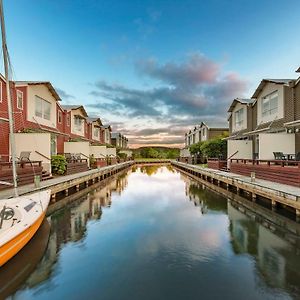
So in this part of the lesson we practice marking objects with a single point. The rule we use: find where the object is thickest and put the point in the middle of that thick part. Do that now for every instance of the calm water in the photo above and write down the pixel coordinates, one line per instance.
(153, 233)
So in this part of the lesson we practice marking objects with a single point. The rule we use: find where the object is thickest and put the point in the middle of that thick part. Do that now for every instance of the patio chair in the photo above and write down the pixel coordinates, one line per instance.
(24, 156)
(279, 156)
(68, 157)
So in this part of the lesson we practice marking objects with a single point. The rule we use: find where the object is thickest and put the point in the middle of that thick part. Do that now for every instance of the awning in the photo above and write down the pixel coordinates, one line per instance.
(4, 119)
(292, 124)
(254, 132)
(79, 117)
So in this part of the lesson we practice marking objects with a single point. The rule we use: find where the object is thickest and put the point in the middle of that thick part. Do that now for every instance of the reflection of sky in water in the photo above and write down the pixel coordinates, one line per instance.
(154, 243)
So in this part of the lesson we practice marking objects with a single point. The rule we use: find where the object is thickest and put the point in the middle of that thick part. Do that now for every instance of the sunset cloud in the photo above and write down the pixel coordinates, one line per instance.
(184, 94)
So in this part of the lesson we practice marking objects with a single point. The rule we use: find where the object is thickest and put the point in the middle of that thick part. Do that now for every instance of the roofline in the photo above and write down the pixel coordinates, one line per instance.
(77, 107)
(47, 83)
(262, 85)
(231, 107)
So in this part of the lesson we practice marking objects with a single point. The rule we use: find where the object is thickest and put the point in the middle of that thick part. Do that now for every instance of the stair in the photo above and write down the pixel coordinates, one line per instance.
(46, 175)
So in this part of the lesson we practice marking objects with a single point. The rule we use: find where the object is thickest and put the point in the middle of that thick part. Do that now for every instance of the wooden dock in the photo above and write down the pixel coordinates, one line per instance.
(278, 194)
(63, 185)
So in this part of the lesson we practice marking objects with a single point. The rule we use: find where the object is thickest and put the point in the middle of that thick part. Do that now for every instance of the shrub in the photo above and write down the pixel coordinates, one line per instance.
(58, 164)
(93, 161)
(215, 148)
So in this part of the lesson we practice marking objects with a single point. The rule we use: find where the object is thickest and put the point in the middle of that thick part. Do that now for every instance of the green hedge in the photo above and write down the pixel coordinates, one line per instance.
(58, 164)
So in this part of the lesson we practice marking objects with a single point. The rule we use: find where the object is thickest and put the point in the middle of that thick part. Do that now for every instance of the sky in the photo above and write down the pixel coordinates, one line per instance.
(153, 69)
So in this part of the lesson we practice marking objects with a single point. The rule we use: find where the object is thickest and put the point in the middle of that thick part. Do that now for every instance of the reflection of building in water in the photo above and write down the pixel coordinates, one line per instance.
(203, 197)
(69, 224)
(278, 261)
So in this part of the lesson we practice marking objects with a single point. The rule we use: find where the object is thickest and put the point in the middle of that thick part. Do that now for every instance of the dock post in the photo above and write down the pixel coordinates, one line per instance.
(53, 198)
(297, 214)
(274, 204)
(66, 192)
(77, 188)
(253, 197)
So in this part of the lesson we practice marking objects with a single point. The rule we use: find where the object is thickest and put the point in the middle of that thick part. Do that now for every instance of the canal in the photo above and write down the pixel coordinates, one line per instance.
(154, 233)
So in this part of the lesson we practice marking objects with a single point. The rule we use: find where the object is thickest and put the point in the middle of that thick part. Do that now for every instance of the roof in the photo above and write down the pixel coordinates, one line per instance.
(106, 126)
(241, 101)
(96, 119)
(74, 107)
(298, 70)
(47, 83)
(115, 134)
(265, 81)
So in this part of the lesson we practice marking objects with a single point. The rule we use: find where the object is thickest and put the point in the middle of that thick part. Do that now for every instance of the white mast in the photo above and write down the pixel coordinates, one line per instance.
(9, 99)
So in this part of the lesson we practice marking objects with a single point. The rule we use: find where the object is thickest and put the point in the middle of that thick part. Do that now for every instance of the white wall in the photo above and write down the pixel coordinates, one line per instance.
(111, 152)
(268, 89)
(185, 152)
(43, 92)
(98, 151)
(78, 147)
(40, 142)
(243, 146)
(275, 142)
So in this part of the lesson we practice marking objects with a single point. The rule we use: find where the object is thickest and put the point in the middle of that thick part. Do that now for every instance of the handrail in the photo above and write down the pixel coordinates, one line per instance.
(236, 152)
(41, 154)
(83, 155)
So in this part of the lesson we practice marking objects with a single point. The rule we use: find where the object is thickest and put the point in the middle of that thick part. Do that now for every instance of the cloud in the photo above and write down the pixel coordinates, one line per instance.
(181, 94)
(63, 94)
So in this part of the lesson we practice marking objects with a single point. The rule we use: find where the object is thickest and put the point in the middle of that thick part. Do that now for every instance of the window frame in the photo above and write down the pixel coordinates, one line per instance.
(76, 126)
(240, 113)
(43, 102)
(96, 129)
(59, 117)
(268, 99)
(22, 98)
(68, 120)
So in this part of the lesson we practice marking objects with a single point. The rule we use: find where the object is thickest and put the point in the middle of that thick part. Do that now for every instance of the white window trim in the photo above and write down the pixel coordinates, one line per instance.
(267, 113)
(78, 126)
(68, 121)
(20, 93)
(59, 114)
(43, 114)
(240, 123)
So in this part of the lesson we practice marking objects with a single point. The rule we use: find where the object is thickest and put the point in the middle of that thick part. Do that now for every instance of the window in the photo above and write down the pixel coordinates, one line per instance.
(270, 104)
(239, 117)
(78, 123)
(96, 131)
(19, 100)
(59, 117)
(42, 108)
(68, 120)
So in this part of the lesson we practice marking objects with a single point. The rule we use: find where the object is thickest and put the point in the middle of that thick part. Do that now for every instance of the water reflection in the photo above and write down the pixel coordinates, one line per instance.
(153, 233)
(16, 271)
